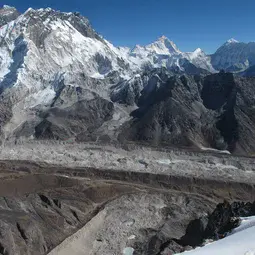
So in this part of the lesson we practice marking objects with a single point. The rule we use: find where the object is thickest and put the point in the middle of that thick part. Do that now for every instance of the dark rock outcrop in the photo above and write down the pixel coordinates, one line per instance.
(219, 94)
(171, 112)
(196, 111)
(214, 226)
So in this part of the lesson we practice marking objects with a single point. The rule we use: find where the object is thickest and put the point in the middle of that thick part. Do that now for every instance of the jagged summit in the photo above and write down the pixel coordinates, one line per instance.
(234, 56)
(232, 40)
(198, 50)
(162, 38)
(8, 7)
(7, 14)
(163, 46)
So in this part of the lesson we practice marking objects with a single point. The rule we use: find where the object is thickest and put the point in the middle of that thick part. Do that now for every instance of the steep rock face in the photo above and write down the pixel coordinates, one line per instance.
(171, 111)
(211, 111)
(75, 111)
(128, 92)
(234, 56)
(219, 93)
(245, 115)
(81, 119)
(233, 97)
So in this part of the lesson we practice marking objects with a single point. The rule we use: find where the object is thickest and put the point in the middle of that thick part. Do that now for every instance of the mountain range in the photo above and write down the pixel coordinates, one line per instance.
(60, 79)
(111, 150)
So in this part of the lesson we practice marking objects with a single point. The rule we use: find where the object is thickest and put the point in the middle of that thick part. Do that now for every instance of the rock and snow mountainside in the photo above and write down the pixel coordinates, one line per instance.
(49, 58)
(47, 54)
(234, 56)
(60, 80)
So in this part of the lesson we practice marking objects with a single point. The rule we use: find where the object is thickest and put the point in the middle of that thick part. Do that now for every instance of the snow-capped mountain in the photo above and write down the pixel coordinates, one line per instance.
(234, 56)
(163, 46)
(54, 41)
(164, 52)
(44, 51)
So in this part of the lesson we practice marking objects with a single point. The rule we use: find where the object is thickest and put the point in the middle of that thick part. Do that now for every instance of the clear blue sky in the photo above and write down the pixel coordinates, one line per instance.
(189, 23)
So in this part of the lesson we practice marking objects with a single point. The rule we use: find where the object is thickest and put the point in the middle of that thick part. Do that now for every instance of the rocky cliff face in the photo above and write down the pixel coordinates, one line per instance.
(199, 111)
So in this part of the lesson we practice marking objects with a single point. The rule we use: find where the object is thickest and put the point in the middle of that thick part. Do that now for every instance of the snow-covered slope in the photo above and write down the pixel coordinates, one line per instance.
(239, 242)
(59, 41)
(43, 50)
(200, 59)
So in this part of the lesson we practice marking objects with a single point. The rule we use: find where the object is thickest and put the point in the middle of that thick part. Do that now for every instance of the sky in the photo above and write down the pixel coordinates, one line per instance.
(206, 24)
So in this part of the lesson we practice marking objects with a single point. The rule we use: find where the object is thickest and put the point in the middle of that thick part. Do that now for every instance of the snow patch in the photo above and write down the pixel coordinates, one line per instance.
(42, 97)
(128, 251)
(232, 40)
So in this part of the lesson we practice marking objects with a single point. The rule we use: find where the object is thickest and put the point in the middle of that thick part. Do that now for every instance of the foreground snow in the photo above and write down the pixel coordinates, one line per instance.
(239, 242)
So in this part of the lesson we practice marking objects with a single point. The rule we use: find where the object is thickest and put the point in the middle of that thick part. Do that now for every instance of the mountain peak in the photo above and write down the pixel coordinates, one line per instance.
(5, 9)
(198, 50)
(162, 38)
(232, 40)
(163, 46)
(7, 14)
(8, 7)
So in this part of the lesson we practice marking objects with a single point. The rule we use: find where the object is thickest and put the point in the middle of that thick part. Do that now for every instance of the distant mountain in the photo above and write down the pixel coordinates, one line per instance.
(164, 52)
(234, 56)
